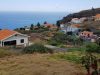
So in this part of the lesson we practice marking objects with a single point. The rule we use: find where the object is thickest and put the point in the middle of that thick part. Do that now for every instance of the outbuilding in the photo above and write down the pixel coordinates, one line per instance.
(13, 38)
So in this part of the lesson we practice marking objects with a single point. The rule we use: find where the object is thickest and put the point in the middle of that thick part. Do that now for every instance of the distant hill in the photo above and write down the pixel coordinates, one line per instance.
(84, 13)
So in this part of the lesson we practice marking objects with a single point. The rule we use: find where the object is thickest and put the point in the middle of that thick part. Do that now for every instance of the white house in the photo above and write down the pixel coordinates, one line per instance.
(76, 20)
(27, 28)
(71, 29)
(62, 25)
(13, 38)
(63, 28)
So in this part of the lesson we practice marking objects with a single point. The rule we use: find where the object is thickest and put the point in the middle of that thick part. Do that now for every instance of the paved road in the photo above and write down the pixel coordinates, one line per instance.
(56, 48)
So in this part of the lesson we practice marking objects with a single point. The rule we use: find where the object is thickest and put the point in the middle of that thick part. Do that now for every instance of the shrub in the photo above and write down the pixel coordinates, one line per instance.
(54, 43)
(93, 47)
(57, 39)
(37, 48)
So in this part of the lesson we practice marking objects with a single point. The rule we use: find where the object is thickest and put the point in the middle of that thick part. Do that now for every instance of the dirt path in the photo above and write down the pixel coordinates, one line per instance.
(58, 49)
(37, 65)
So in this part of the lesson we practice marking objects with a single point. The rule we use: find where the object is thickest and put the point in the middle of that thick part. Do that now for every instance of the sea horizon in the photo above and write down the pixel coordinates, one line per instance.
(13, 20)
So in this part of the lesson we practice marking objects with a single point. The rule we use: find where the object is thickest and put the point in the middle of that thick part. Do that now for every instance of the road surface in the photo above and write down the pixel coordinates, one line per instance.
(56, 48)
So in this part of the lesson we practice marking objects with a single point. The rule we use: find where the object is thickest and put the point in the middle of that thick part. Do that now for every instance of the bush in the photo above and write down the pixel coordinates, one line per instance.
(54, 43)
(57, 39)
(37, 48)
(93, 47)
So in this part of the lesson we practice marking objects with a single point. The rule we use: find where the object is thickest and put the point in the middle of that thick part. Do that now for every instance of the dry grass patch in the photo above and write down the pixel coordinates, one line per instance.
(38, 64)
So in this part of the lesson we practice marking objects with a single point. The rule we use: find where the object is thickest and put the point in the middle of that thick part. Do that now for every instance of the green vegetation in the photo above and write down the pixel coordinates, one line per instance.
(89, 60)
(74, 54)
(58, 39)
(81, 49)
(4, 53)
(70, 56)
(39, 30)
(93, 47)
(37, 48)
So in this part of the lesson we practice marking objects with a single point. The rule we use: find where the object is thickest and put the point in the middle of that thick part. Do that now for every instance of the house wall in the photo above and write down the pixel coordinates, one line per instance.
(72, 29)
(97, 19)
(76, 21)
(18, 39)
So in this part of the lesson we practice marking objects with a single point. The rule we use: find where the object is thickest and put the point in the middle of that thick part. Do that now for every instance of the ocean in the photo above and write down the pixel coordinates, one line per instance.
(12, 20)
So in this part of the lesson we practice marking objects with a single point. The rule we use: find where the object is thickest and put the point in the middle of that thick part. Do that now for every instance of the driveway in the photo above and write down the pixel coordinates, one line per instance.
(56, 48)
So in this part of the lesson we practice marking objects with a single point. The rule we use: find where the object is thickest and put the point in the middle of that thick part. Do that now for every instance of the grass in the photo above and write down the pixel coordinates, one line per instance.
(42, 64)
(74, 56)
(5, 53)
(69, 56)
(81, 49)
(37, 64)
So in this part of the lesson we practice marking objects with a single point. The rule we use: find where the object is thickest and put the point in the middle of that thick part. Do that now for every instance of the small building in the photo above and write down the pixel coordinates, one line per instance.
(83, 19)
(97, 17)
(62, 25)
(63, 28)
(75, 28)
(88, 36)
(27, 28)
(13, 38)
(76, 21)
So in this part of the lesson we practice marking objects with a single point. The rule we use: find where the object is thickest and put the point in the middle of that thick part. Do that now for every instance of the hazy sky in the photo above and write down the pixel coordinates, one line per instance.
(48, 5)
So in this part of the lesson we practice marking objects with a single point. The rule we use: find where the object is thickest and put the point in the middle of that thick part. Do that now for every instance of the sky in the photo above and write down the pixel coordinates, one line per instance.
(48, 5)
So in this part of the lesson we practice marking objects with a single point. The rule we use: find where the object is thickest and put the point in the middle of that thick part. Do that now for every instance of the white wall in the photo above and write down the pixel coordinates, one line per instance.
(76, 21)
(70, 28)
(18, 39)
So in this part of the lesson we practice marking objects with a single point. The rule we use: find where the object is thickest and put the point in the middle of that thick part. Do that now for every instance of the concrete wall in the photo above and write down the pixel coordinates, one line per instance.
(18, 39)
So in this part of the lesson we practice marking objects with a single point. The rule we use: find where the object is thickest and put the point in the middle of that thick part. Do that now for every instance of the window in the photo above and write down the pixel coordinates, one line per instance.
(22, 40)
(16, 35)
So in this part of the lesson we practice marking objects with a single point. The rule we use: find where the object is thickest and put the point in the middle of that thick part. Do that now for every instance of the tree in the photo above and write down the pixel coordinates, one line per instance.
(45, 22)
(32, 26)
(38, 24)
(58, 24)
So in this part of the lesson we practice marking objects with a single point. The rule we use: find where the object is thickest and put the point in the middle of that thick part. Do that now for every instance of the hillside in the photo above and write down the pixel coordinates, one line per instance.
(84, 13)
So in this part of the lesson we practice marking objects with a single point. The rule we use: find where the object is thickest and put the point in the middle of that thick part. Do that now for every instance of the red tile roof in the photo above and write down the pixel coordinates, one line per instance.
(50, 26)
(97, 16)
(76, 25)
(6, 33)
